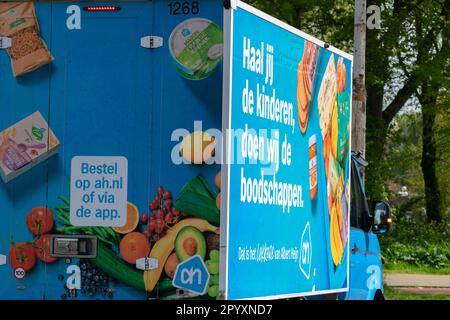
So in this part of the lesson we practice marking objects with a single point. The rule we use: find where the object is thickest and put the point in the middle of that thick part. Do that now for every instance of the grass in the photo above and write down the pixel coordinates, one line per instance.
(401, 267)
(392, 294)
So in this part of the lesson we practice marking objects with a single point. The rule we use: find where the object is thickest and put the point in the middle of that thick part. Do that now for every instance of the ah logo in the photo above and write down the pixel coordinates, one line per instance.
(306, 252)
(374, 279)
(192, 275)
(38, 133)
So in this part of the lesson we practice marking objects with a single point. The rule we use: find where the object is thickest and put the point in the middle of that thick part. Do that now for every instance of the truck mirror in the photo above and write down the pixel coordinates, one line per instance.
(382, 219)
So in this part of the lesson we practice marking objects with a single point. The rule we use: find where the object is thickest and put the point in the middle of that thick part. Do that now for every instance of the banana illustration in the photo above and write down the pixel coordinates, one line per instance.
(337, 249)
(164, 246)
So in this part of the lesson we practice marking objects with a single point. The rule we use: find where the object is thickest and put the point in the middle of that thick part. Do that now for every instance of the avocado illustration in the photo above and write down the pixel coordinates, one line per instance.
(190, 242)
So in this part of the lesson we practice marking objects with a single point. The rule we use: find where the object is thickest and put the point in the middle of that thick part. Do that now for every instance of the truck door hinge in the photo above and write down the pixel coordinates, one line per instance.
(5, 43)
(151, 42)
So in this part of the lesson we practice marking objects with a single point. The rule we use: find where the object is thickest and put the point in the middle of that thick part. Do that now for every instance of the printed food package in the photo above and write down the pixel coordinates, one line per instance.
(28, 51)
(306, 72)
(196, 46)
(327, 96)
(25, 144)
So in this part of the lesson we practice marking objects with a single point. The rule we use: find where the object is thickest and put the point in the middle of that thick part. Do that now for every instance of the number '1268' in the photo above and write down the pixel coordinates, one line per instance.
(177, 8)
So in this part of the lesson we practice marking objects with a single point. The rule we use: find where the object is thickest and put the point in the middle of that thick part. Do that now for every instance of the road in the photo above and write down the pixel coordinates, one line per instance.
(419, 283)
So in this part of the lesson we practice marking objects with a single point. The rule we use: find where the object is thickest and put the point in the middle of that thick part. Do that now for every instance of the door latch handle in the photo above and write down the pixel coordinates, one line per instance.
(151, 42)
(355, 248)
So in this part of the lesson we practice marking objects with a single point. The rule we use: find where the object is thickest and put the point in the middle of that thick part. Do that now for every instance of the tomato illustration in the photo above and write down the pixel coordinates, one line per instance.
(22, 255)
(42, 249)
(40, 220)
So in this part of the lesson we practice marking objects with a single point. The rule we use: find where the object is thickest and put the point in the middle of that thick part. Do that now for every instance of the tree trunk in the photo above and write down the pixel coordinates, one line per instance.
(428, 99)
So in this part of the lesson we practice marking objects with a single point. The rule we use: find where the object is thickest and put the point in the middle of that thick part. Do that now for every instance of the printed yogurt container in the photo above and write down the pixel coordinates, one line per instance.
(196, 47)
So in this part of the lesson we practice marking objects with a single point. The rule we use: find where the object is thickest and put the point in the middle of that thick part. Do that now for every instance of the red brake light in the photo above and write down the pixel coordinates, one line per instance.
(101, 8)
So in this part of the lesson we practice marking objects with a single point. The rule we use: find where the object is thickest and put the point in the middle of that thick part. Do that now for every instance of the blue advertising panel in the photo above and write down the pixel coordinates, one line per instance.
(288, 115)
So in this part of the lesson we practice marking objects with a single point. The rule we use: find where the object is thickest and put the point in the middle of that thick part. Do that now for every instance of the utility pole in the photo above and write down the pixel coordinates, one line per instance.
(359, 79)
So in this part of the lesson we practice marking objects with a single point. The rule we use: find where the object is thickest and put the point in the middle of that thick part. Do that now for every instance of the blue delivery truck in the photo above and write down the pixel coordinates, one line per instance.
(178, 150)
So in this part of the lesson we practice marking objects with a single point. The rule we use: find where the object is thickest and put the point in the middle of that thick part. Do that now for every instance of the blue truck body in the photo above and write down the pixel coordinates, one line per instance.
(105, 94)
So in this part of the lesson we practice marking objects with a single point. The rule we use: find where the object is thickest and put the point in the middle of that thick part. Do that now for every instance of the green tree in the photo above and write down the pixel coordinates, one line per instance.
(401, 57)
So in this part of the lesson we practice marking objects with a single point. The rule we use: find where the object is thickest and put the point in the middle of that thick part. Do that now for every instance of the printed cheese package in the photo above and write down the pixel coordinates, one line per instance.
(25, 144)
(28, 51)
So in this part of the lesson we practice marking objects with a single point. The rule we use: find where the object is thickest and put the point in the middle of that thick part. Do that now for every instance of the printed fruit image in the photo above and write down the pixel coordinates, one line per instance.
(164, 246)
(39, 220)
(190, 242)
(134, 246)
(22, 255)
(213, 242)
(42, 249)
(214, 255)
(171, 265)
(218, 201)
(197, 147)
(213, 268)
(163, 216)
(218, 180)
(132, 220)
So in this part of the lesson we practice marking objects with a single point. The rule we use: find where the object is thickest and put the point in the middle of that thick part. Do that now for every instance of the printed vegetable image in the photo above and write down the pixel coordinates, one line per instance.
(199, 200)
(22, 255)
(62, 214)
(169, 235)
(134, 246)
(39, 220)
(116, 268)
(163, 247)
(132, 220)
(42, 249)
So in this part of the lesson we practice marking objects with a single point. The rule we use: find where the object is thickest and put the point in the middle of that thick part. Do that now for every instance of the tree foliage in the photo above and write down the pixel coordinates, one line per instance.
(409, 50)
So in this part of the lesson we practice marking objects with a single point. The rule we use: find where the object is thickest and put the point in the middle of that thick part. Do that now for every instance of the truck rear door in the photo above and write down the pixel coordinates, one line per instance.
(97, 98)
